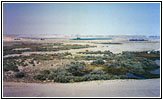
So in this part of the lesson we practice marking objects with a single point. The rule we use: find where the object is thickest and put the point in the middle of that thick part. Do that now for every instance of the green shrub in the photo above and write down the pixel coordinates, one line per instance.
(97, 72)
(60, 75)
(63, 78)
(40, 77)
(43, 75)
(10, 66)
(95, 77)
(20, 75)
(79, 79)
(45, 72)
(76, 68)
(96, 62)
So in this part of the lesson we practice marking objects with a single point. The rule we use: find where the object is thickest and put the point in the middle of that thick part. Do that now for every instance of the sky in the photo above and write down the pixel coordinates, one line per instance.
(81, 18)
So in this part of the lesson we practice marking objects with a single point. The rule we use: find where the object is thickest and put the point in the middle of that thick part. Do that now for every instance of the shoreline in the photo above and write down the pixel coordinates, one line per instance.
(50, 82)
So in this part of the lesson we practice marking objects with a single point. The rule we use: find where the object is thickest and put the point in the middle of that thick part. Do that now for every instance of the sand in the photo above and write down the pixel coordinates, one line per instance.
(108, 88)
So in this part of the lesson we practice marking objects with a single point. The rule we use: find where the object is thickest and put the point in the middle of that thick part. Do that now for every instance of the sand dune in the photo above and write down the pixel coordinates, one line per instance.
(109, 88)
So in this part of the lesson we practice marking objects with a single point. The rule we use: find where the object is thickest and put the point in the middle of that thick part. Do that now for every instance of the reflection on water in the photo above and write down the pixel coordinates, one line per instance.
(130, 75)
(157, 62)
(156, 71)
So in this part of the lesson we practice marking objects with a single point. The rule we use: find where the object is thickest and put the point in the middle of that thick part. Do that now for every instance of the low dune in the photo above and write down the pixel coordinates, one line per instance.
(109, 88)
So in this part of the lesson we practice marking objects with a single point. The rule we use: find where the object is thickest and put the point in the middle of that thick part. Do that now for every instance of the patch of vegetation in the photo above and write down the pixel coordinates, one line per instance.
(138, 40)
(115, 67)
(10, 65)
(106, 52)
(40, 77)
(98, 62)
(109, 43)
(105, 65)
(104, 57)
(76, 68)
(153, 55)
(43, 75)
(97, 72)
(20, 75)
(61, 75)
(75, 72)
(38, 47)
(127, 62)
(74, 46)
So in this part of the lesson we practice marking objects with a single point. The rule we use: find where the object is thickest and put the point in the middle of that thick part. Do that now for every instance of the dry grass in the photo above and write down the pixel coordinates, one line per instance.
(91, 67)
(145, 55)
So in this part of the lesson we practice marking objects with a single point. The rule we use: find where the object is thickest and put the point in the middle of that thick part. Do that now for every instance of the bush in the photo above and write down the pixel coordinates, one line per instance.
(60, 75)
(43, 75)
(95, 77)
(116, 68)
(51, 76)
(79, 79)
(112, 65)
(63, 79)
(20, 75)
(10, 66)
(97, 72)
(76, 68)
(96, 62)
(40, 77)
(45, 72)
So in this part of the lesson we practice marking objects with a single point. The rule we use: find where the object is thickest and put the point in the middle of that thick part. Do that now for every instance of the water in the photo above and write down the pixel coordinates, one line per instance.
(128, 46)
(130, 75)
(156, 71)
(157, 62)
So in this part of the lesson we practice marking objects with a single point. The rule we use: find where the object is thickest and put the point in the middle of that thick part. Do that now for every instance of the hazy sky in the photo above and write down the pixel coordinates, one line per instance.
(82, 18)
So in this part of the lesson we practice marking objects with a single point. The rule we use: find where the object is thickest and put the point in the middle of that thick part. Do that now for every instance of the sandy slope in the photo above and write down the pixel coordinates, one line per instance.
(109, 88)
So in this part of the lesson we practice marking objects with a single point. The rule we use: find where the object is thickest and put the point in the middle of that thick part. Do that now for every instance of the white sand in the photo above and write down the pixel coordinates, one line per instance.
(109, 88)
